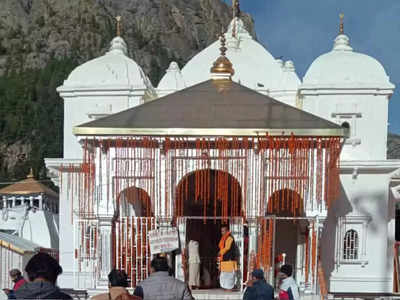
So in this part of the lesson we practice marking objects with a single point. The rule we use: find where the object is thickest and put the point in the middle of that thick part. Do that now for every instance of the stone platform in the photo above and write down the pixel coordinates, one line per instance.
(216, 294)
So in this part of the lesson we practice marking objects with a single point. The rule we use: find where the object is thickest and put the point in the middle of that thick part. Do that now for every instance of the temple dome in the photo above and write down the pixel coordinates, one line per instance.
(344, 67)
(254, 66)
(289, 79)
(173, 79)
(114, 68)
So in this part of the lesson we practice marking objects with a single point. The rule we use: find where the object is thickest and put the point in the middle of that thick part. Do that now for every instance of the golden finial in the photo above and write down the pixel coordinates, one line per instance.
(341, 27)
(118, 18)
(222, 64)
(30, 175)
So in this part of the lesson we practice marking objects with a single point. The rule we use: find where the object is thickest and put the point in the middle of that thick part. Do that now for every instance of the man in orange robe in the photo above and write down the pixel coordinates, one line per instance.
(227, 259)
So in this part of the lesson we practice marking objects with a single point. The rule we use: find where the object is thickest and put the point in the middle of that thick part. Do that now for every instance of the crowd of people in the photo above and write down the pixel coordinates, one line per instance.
(42, 271)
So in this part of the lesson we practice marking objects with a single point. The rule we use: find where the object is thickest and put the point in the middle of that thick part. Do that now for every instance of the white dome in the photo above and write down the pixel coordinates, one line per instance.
(344, 67)
(289, 80)
(254, 66)
(114, 68)
(173, 79)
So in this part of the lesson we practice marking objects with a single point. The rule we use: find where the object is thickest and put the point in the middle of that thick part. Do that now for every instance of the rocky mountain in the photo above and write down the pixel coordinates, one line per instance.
(393, 146)
(41, 41)
(33, 32)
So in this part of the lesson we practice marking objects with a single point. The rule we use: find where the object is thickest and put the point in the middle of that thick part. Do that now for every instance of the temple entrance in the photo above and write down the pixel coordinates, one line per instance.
(133, 219)
(295, 236)
(204, 196)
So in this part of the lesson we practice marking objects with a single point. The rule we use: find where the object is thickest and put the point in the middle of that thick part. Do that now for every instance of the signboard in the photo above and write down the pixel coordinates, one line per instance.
(163, 240)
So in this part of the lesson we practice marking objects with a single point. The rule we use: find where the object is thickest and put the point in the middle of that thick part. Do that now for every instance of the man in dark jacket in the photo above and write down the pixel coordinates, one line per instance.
(42, 270)
(160, 286)
(258, 288)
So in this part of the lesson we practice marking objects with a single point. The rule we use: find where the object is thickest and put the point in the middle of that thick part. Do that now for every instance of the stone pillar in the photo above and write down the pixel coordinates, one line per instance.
(104, 251)
(40, 201)
(253, 232)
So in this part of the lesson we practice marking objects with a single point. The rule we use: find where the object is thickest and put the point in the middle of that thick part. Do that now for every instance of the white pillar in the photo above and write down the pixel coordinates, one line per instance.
(41, 201)
(104, 250)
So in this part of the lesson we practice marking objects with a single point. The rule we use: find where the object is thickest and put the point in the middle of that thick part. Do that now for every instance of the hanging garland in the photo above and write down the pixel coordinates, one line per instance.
(305, 166)
(264, 255)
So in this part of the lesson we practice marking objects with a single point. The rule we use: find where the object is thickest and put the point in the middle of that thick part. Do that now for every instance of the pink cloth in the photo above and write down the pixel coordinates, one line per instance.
(19, 283)
(283, 295)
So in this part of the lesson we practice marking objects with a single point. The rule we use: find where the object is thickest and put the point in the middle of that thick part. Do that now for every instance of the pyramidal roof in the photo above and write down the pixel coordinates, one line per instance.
(26, 187)
(212, 108)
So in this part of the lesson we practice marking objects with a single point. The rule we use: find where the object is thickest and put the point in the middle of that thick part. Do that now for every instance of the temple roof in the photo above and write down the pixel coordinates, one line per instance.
(28, 186)
(211, 108)
(17, 243)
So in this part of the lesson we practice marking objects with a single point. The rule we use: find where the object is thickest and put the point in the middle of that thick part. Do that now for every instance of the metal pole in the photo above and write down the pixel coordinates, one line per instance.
(273, 250)
(316, 258)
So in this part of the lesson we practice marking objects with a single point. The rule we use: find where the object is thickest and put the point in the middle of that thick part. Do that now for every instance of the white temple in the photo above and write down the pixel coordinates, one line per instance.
(110, 103)
(28, 224)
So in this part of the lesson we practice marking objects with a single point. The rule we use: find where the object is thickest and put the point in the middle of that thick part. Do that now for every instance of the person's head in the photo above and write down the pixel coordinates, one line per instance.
(224, 229)
(286, 271)
(44, 267)
(257, 274)
(15, 274)
(118, 278)
(159, 264)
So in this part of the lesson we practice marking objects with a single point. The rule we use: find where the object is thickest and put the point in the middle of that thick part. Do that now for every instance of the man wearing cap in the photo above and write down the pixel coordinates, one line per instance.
(258, 288)
(288, 289)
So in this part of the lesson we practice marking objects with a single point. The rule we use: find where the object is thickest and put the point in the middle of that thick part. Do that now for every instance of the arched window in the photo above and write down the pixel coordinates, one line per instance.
(350, 245)
(346, 125)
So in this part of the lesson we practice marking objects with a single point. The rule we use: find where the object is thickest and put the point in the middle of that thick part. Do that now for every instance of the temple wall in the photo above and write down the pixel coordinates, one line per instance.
(365, 111)
(66, 246)
(80, 108)
(362, 207)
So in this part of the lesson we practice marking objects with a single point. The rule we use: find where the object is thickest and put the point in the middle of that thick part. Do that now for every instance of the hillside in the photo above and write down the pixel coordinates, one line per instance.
(393, 143)
(41, 41)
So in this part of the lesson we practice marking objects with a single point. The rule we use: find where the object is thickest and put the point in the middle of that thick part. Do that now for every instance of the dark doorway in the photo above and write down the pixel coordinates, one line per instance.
(207, 234)
(287, 206)
(200, 196)
(397, 223)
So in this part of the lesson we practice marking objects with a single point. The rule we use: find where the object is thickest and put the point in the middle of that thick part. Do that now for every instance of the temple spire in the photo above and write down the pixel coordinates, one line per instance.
(341, 26)
(235, 15)
(235, 9)
(222, 67)
(118, 18)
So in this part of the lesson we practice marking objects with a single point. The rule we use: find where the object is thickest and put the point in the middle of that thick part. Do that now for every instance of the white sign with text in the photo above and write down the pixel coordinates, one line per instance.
(163, 240)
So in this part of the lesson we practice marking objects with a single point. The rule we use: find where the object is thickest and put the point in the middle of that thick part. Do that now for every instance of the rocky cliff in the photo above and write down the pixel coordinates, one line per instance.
(41, 41)
(393, 146)
(33, 32)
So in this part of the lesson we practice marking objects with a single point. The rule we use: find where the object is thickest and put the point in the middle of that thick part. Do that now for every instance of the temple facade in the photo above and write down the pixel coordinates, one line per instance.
(297, 168)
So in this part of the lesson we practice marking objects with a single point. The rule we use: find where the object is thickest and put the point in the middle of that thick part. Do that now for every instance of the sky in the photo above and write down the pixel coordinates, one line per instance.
(303, 30)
